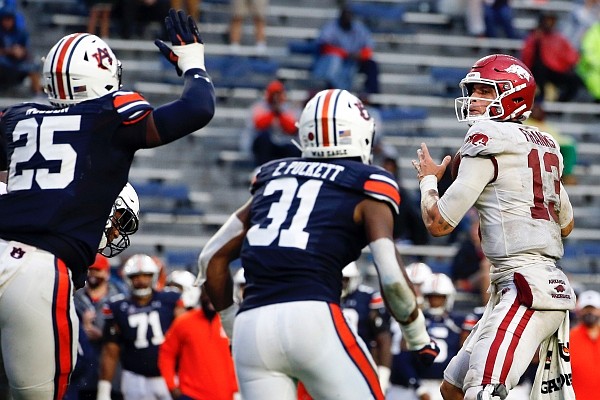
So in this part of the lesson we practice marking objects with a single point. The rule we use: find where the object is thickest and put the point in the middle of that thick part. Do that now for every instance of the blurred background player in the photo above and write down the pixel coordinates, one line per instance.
(183, 282)
(134, 329)
(365, 311)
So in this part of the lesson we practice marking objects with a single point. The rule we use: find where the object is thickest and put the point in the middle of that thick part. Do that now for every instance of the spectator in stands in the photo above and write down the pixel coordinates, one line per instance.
(240, 9)
(135, 15)
(192, 7)
(582, 16)
(589, 64)
(195, 360)
(469, 269)
(99, 16)
(15, 59)
(346, 47)
(499, 13)
(585, 346)
(568, 146)
(551, 59)
(272, 127)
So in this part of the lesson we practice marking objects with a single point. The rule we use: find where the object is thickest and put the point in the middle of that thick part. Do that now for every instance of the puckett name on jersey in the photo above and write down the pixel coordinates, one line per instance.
(324, 171)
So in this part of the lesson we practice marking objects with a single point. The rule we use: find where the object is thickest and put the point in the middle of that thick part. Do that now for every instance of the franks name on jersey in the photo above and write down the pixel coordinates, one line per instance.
(302, 230)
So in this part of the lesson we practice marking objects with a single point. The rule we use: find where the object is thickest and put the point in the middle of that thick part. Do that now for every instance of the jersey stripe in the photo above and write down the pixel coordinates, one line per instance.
(355, 351)
(495, 347)
(131, 106)
(383, 188)
(63, 329)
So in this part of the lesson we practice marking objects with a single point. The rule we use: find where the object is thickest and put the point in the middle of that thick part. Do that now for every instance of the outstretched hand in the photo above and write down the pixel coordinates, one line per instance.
(187, 49)
(426, 166)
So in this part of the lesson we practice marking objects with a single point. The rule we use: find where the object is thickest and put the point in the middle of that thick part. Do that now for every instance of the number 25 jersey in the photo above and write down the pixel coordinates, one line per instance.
(302, 230)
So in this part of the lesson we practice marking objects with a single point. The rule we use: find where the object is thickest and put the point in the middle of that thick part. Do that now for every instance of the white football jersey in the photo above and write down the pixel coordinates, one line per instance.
(519, 208)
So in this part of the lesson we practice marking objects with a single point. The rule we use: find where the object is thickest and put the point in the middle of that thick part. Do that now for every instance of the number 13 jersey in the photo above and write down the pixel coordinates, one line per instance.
(519, 206)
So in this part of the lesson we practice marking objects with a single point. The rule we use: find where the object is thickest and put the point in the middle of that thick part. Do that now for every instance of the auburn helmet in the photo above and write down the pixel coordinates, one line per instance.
(125, 218)
(336, 124)
(438, 284)
(80, 67)
(140, 264)
(514, 85)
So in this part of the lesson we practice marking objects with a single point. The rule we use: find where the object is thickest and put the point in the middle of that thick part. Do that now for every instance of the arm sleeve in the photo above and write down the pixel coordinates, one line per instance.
(474, 174)
(192, 111)
(566, 209)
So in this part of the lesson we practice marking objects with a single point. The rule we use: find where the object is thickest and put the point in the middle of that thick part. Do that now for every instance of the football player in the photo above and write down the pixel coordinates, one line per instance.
(133, 331)
(365, 311)
(123, 221)
(307, 219)
(67, 163)
(511, 173)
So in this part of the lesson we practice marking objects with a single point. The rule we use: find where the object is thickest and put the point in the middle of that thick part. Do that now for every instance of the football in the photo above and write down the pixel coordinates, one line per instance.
(454, 164)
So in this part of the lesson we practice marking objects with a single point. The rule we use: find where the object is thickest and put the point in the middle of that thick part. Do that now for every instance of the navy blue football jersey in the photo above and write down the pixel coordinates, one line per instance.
(365, 311)
(140, 330)
(302, 230)
(66, 167)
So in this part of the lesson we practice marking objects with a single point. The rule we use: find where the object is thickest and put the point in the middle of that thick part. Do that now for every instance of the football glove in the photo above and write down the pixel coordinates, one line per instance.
(187, 50)
(427, 354)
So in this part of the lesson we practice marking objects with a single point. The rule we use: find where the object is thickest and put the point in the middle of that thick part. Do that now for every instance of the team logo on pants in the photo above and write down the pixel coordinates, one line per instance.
(17, 253)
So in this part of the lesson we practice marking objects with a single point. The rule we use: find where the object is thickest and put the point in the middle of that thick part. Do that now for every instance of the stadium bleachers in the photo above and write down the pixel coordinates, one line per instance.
(422, 54)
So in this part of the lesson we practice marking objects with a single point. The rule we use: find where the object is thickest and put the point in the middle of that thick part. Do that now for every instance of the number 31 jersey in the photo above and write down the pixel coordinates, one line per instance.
(302, 230)
(519, 208)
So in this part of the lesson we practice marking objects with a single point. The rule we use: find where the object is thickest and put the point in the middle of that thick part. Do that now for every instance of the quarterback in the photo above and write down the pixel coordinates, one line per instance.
(511, 173)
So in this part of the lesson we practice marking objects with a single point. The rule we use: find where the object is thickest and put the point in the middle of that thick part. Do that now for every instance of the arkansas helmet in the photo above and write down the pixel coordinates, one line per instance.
(124, 217)
(80, 67)
(140, 264)
(336, 124)
(514, 85)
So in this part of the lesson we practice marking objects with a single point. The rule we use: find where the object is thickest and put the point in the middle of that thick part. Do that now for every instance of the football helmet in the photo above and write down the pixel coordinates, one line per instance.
(439, 284)
(354, 277)
(514, 85)
(417, 272)
(139, 264)
(336, 124)
(184, 282)
(80, 67)
(125, 218)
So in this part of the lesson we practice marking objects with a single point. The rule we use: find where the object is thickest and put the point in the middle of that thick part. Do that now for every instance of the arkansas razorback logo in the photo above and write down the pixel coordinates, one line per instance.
(559, 288)
(478, 139)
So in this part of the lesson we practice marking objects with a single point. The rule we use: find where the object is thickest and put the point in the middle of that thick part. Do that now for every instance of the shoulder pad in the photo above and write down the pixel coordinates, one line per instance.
(131, 106)
(382, 187)
(483, 138)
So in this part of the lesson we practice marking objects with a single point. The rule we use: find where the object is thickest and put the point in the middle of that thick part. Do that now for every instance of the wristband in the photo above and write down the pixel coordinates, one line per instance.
(429, 182)
(104, 388)
(415, 334)
(190, 56)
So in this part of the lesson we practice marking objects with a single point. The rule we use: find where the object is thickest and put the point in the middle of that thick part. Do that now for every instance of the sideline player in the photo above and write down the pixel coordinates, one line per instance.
(67, 162)
(511, 173)
(307, 219)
